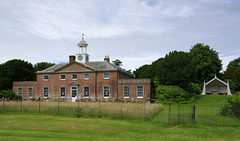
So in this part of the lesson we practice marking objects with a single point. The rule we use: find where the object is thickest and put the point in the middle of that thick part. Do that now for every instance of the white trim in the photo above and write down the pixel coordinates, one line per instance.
(106, 77)
(76, 91)
(61, 76)
(108, 92)
(44, 93)
(137, 91)
(84, 76)
(28, 92)
(47, 77)
(88, 92)
(18, 91)
(60, 92)
(74, 78)
(123, 91)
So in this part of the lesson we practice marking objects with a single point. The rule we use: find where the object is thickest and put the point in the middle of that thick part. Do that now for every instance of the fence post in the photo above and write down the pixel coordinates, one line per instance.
(99, 112)
(3, 104)
(21, 105)
(78, 109)
(144, 112)
(39, 104)
(193, 114)
(58, 105)
(121, 112)
(223, 116)
(169, 113)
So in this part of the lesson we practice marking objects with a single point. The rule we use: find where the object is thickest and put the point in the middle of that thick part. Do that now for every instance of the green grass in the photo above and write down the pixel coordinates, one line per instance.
(210, 99)
(39, 127)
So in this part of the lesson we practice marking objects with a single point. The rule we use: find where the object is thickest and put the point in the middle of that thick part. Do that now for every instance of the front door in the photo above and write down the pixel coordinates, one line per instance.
(74, 93)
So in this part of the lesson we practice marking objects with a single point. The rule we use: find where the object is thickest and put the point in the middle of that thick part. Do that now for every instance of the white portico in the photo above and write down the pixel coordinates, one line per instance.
(216, 87)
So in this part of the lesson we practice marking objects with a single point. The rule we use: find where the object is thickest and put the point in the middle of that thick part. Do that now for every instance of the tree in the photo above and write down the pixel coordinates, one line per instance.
(144, 71)
(206, 62)
(117, 62)
(176, 69)
(41, 66)
(232, 73)
(15, 70)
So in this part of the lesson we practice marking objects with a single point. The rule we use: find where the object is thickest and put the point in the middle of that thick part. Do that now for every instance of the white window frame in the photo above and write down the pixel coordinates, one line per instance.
(85, 92)
(45, 79)
(60, 91)
(28, 92)
(72, 91)
(105, 92)
(45, 92)
(84, 76)
(137, 91)
(126, 92)
(20, 93)
(104, 75)
(74, 78)
(62, 75)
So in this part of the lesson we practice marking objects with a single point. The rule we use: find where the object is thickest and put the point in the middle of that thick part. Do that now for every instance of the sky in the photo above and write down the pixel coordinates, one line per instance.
(137, 32)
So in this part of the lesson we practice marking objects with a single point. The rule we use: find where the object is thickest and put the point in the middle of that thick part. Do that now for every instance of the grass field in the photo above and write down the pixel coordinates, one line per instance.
(40, 127)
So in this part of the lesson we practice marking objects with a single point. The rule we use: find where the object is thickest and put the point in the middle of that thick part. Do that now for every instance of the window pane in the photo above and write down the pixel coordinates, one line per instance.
(126, 91)
(74, 91)
(106, 75)
(63, 76)
(74, 76)
(45, 92)
(20, 91)
(106, 90)
(86, 91)
(45, 77)
(86, 76)
(62, 91)
(30, 92)
(140, 92)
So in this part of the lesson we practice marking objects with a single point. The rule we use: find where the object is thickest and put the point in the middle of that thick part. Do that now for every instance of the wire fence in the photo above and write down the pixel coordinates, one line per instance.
(195, 114)
(171, 114)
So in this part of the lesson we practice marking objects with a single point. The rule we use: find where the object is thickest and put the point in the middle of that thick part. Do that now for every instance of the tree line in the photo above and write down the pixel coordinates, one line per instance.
(180, 75)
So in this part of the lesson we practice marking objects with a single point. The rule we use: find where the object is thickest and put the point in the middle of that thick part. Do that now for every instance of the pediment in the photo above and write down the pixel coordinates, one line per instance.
(75, 67)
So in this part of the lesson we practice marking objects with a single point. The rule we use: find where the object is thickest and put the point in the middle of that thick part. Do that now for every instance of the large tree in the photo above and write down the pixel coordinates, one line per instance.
(232, 73)
(206, 62)
(15, 70)
(41, 66)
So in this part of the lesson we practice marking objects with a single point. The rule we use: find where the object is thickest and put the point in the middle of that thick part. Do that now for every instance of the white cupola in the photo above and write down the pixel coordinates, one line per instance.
(82, 55)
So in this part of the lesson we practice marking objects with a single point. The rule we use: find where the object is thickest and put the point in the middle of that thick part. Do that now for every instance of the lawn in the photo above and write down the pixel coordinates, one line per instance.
(42, 127)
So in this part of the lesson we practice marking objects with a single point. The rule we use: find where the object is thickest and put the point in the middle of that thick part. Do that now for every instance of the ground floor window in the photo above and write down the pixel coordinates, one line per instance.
(62, 92)
(20, 91)
(86, 90)
(140, 92)
(30, 92)
(126, 91)
(45, 92)
(74, 91)
(106, 91)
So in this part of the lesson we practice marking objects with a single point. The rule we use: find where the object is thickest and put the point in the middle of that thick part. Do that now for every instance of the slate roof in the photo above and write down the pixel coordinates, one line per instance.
(95, 66)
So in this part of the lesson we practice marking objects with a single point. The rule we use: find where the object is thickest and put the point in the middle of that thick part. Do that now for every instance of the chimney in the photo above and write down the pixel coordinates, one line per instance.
(107, 59)
(71, 58)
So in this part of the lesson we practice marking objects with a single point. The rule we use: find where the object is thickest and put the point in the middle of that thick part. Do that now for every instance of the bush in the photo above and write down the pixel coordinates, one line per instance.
(9, 94)
(194, 88)
(232, 107)
(171, 94)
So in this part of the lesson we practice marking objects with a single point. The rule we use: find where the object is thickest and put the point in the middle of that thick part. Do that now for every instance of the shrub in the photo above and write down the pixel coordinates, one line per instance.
(9, 94)
(232, 106)
(171, 94)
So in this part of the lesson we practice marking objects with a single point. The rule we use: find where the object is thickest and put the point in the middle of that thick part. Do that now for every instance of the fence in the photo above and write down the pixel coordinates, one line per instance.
(195, 114)
(117, 110)
(171, 114)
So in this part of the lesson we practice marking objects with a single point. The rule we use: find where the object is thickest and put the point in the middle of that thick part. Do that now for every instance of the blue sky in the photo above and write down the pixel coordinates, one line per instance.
(135, 31)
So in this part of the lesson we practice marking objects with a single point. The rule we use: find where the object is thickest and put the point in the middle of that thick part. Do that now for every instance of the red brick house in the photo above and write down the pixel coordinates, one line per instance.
(85, 80)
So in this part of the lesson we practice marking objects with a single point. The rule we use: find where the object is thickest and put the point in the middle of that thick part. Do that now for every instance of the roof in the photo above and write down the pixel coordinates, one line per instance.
(94, 66)
(215, 78)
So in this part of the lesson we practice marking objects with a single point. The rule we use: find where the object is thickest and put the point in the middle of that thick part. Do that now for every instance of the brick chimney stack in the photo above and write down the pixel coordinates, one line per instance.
(71, 58)
(107, 59)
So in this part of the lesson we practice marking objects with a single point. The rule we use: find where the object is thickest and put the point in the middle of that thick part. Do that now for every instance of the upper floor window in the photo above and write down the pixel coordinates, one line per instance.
(62, 77)
(86, 90)
(140, 91)
(62, 92)
(86, 76)
(74, 76)
(106, 75)
(30, 92)
(106, 91)
(45, 92)
(20, 91)
(126, 91)
(45, 77)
